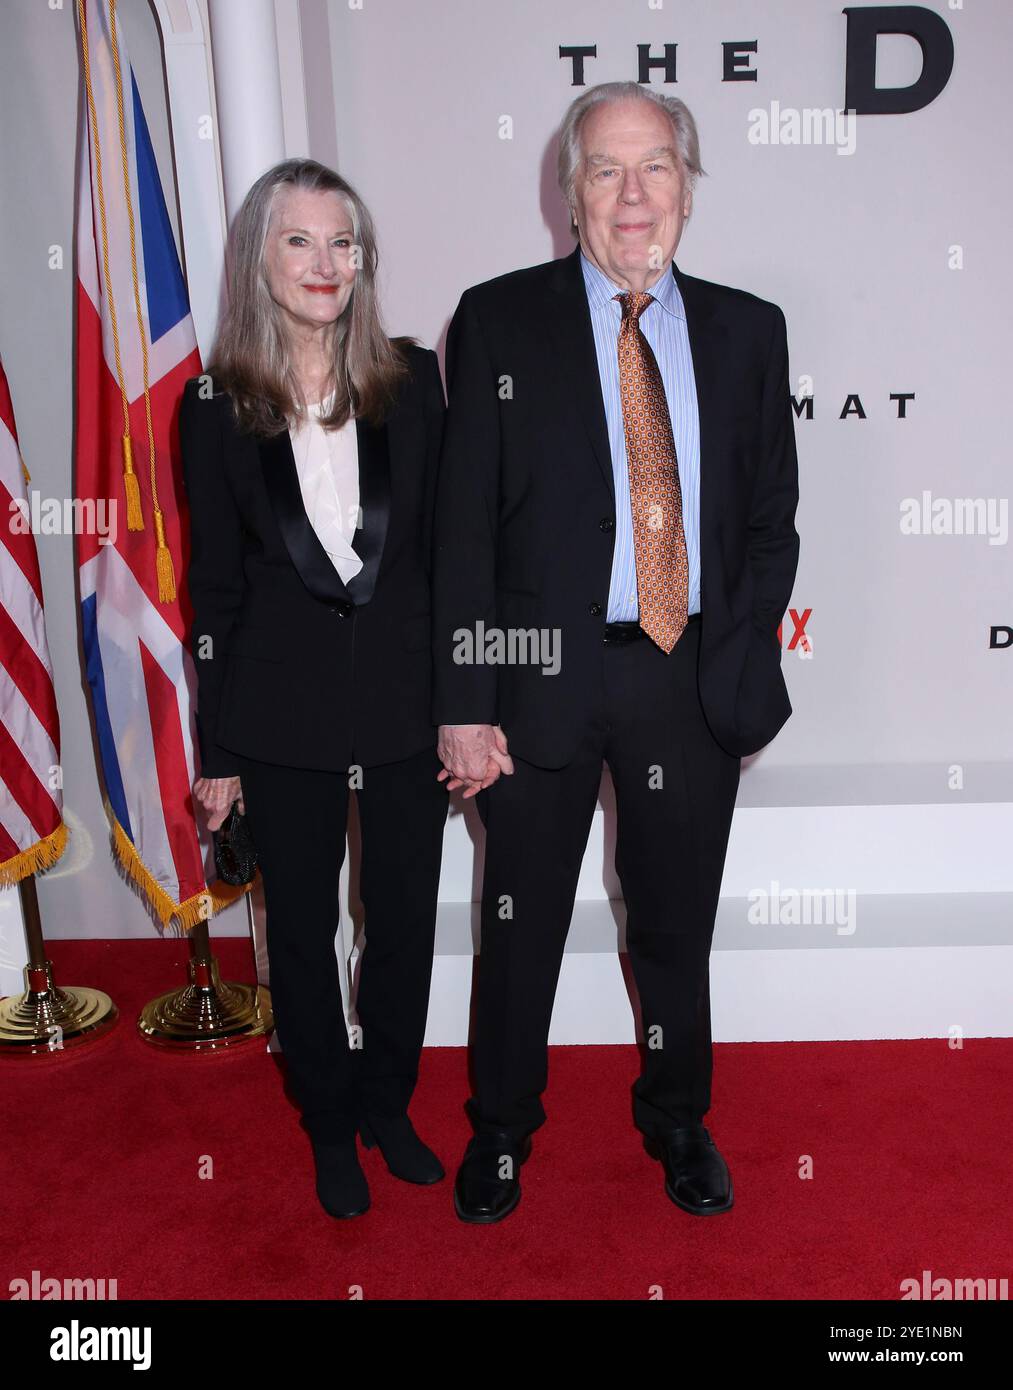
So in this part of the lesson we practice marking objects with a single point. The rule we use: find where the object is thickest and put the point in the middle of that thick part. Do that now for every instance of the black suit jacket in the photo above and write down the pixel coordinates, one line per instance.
(293, 666)
(525, 513)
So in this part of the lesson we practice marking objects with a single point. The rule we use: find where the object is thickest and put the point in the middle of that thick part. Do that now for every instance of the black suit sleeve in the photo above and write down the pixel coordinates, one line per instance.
(464, 553)
(215, 572)
(773, 544)
(434, 409)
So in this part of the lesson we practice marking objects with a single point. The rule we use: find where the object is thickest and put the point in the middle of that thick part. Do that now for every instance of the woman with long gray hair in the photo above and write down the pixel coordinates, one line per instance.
(309, 455)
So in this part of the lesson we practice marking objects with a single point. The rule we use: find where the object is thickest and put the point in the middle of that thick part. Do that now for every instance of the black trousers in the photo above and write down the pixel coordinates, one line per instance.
(298, 820)
(675, 792)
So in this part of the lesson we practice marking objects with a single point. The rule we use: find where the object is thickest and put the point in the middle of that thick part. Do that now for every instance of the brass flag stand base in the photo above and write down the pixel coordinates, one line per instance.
(207, 1014)
(46, 1020)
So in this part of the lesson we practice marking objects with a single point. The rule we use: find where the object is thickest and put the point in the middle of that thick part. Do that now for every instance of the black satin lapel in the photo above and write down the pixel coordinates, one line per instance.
(573, 338)
(374, 506)
(277, 463)
(708, 345)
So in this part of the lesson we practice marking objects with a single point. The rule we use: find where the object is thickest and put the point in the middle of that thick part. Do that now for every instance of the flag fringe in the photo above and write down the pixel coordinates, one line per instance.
(200, 908)
(41, 856)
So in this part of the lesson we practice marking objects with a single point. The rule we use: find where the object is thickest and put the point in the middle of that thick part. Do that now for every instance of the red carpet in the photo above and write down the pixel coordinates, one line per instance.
(102, 1150)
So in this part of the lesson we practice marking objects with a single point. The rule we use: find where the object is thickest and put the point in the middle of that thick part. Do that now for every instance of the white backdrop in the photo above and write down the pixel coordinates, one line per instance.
(892, 782)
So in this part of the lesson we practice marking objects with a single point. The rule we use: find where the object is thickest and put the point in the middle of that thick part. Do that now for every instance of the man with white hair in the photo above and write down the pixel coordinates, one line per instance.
(618, 470)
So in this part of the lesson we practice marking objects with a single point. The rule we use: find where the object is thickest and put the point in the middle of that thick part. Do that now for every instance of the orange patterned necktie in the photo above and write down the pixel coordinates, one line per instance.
(659, 542)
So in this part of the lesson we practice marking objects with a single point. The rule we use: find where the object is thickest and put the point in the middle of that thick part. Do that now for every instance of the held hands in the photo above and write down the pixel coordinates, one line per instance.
(473, 756)
(216, 795)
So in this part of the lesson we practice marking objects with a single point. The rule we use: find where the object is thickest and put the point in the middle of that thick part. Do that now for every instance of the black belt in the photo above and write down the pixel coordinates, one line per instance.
(618, 633)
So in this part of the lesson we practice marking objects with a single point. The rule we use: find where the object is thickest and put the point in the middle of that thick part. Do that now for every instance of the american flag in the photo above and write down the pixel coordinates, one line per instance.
(135, 350)
(32, 832)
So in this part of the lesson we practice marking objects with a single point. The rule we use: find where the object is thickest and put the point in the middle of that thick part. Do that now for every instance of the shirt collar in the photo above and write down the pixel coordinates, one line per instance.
(601, 290)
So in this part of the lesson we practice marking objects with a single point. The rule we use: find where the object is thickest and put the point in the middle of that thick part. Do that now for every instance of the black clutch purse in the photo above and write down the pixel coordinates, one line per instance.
(235, 854)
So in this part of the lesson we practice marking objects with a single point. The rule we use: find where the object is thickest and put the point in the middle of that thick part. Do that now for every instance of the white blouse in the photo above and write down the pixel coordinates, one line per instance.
(327, 462)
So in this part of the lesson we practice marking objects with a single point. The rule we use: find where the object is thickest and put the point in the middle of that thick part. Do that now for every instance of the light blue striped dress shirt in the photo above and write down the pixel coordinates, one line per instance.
(663, 324)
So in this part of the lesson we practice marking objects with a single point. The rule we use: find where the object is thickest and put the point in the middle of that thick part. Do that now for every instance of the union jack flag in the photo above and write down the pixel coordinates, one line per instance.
(135, 350)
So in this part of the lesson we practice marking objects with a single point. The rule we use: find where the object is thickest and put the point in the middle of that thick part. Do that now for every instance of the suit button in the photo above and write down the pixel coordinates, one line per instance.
(606, 523)
(344, 609)
(595, 610)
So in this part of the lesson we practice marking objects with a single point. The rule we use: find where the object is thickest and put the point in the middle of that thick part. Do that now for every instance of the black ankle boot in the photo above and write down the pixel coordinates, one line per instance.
(404, 1152)
(341, 1183)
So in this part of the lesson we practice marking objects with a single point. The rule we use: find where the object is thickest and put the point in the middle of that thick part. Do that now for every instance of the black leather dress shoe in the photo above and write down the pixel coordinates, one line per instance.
(488, 1185)
(696, 1176)
(341, 1183)
(404, 1152)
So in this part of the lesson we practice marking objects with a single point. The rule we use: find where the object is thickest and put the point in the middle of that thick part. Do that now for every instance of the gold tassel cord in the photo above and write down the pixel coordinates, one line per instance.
(135, 521)
(164, 569)
(163, 556)
(163, 563)
(134, 518)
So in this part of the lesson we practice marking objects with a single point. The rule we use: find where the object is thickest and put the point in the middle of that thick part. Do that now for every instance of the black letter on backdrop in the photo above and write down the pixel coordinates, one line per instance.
(930, 32)
(578, 55)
